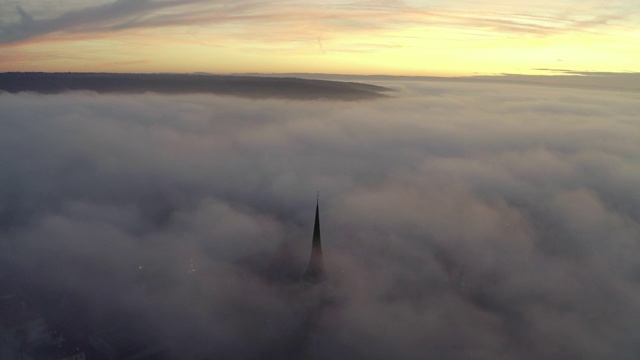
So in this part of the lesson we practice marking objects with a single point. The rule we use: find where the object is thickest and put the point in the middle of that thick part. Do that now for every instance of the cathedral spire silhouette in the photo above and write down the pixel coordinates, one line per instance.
(315, 271)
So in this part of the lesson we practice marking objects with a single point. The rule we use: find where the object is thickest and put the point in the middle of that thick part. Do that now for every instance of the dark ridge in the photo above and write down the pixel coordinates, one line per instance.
(242, 86)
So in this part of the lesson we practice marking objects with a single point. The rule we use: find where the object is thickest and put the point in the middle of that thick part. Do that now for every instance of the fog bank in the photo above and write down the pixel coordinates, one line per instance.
(459, 221)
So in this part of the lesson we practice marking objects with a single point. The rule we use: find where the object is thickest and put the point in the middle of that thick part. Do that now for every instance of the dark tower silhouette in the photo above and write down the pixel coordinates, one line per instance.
(315, 271)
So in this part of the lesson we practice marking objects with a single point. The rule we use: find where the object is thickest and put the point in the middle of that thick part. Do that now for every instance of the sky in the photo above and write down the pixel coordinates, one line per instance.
(442, 38)
(459, 220)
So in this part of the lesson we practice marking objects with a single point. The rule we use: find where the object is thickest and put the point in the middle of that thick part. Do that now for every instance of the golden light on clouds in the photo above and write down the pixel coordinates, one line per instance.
(376, 37)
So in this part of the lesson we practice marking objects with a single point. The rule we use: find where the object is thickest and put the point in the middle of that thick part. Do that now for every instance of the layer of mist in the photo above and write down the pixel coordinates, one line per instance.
(459, 221)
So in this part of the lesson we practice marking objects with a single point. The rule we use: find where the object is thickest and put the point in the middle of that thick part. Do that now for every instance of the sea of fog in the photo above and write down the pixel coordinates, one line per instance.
(459, 220)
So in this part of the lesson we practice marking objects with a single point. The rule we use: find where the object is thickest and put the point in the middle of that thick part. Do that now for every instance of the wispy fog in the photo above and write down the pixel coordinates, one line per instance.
(459, 221)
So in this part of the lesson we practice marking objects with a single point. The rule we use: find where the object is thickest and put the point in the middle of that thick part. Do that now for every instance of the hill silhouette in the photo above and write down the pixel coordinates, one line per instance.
(241, 86)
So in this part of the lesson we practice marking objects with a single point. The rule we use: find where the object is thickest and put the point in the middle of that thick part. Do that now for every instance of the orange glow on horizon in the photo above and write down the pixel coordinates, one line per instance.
(336, 39)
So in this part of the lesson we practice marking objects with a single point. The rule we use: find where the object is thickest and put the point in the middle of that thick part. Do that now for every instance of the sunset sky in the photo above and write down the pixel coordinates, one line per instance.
(427, 37)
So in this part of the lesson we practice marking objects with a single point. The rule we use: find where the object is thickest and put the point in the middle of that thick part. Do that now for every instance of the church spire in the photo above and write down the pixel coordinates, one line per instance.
(315, 270)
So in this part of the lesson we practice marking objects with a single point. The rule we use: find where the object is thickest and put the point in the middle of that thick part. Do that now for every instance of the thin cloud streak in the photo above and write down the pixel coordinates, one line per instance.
(145, 14)
(121, 14)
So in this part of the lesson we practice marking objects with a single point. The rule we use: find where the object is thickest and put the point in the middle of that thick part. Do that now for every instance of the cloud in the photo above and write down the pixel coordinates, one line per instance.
(307, 20)
(119, 14)
(459, 220)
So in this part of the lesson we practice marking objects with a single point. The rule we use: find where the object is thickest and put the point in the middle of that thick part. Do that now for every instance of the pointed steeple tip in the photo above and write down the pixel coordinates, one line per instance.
(315, 270)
